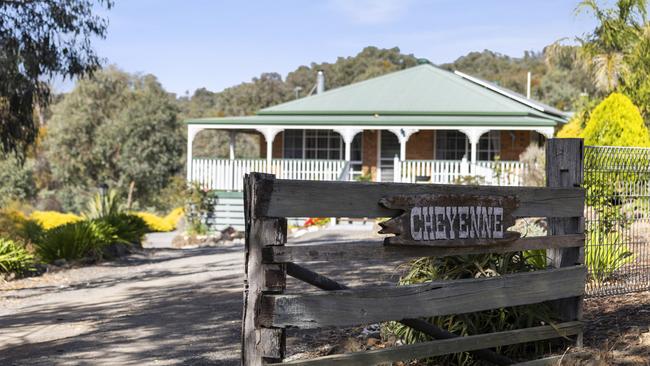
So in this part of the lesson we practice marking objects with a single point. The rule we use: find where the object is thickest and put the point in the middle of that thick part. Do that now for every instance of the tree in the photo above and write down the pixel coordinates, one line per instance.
(17, 182)
(41, 39)
(114, 128)
(616, 121)
(604, 49)
(636, 82)
(556, 78)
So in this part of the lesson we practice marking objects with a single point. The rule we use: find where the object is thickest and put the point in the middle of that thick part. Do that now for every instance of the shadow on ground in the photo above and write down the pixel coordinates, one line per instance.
(156, 307)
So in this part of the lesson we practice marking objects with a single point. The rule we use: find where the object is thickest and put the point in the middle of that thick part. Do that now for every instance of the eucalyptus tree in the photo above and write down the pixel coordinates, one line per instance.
(40, 40)
(114, 128)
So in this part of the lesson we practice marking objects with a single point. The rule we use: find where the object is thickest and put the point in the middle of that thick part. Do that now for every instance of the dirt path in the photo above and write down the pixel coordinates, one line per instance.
(159, 307)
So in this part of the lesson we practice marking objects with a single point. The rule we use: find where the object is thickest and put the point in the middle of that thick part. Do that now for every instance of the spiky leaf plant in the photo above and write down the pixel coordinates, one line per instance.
(74, 241)
(14, 257)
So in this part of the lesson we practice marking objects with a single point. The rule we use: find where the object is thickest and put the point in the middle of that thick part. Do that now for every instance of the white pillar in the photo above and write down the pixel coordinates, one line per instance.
(474, 150)
(347, 135)
(269, 149)
(348, 150)
(403, 136)
(397, 169)
(233, 136)
(192, 130)
(269, 136)
(474, 135)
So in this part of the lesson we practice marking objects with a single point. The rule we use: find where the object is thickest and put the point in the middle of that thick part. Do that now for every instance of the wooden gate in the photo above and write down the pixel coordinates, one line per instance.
(427, 220)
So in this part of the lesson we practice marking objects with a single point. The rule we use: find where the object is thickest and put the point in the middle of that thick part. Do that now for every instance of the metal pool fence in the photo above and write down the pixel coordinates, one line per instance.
(617, 219)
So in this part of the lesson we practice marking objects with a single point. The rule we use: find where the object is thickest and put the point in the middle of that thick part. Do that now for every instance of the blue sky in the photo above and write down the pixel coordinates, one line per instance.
(190, 44)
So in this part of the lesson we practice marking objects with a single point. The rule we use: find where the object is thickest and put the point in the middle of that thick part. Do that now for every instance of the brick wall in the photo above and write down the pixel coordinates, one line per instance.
(278, 144)
(369, 153)
(420, 146)
(512, 148)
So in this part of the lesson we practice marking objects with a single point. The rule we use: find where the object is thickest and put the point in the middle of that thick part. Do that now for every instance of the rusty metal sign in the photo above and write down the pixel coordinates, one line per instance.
(450, 220)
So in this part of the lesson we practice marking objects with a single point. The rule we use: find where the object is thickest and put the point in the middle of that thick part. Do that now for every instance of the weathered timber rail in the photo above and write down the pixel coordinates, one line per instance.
(269, 309)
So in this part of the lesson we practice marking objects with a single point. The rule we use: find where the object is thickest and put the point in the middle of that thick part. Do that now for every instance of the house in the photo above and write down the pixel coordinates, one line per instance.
(423, 124)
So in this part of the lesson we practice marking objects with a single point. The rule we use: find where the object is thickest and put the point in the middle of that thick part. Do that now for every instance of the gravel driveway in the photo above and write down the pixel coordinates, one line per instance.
(159, 307)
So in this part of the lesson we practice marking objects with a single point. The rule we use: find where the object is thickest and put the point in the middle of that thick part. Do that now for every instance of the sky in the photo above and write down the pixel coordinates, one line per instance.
(189, 44)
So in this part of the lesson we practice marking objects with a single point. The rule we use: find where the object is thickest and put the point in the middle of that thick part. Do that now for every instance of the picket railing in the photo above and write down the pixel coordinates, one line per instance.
(430, 171)
(496, 173)
(501, 173)
(228, 175)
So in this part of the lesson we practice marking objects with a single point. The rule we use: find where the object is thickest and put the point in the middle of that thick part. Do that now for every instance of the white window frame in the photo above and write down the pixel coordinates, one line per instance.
(493, 149)
(328, 148)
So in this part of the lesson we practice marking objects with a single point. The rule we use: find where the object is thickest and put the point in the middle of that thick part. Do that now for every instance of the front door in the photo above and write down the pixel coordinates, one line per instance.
(388, 149)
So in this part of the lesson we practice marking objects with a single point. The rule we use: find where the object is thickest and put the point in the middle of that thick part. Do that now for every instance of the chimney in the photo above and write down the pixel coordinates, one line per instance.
(320, 82)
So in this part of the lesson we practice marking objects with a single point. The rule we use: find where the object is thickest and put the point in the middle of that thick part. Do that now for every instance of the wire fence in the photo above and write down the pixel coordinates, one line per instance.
(617, 219)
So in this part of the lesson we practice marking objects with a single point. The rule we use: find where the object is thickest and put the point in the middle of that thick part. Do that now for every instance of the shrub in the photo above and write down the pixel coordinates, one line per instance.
(155, 223)
(174, 216)
(76, 240)
(200, 208)
(616, 121)
(14, 257)
(51, 219)
(583, 108)
(473, 266)
(128, 228)
(573, 128)
(12, 223)
(535, 159)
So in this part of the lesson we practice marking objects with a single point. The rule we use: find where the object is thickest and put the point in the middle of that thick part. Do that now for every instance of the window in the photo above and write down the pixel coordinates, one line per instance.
(389, 149)
(356, 155)
(312, 144)
(489, 145)
(451, 145)
(293, 144)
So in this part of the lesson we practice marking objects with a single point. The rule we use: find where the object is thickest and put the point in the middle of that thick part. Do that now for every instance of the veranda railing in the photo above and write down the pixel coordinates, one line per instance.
(227, 174)
(497, 173)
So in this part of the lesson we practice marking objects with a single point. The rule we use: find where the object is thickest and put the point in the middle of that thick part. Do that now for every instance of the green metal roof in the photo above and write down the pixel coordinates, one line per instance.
(418, 96)
(380, 120)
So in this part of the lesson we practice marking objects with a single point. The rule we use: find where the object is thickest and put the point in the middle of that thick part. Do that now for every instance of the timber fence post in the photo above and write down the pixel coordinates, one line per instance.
(564, 168)
(261, 344)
